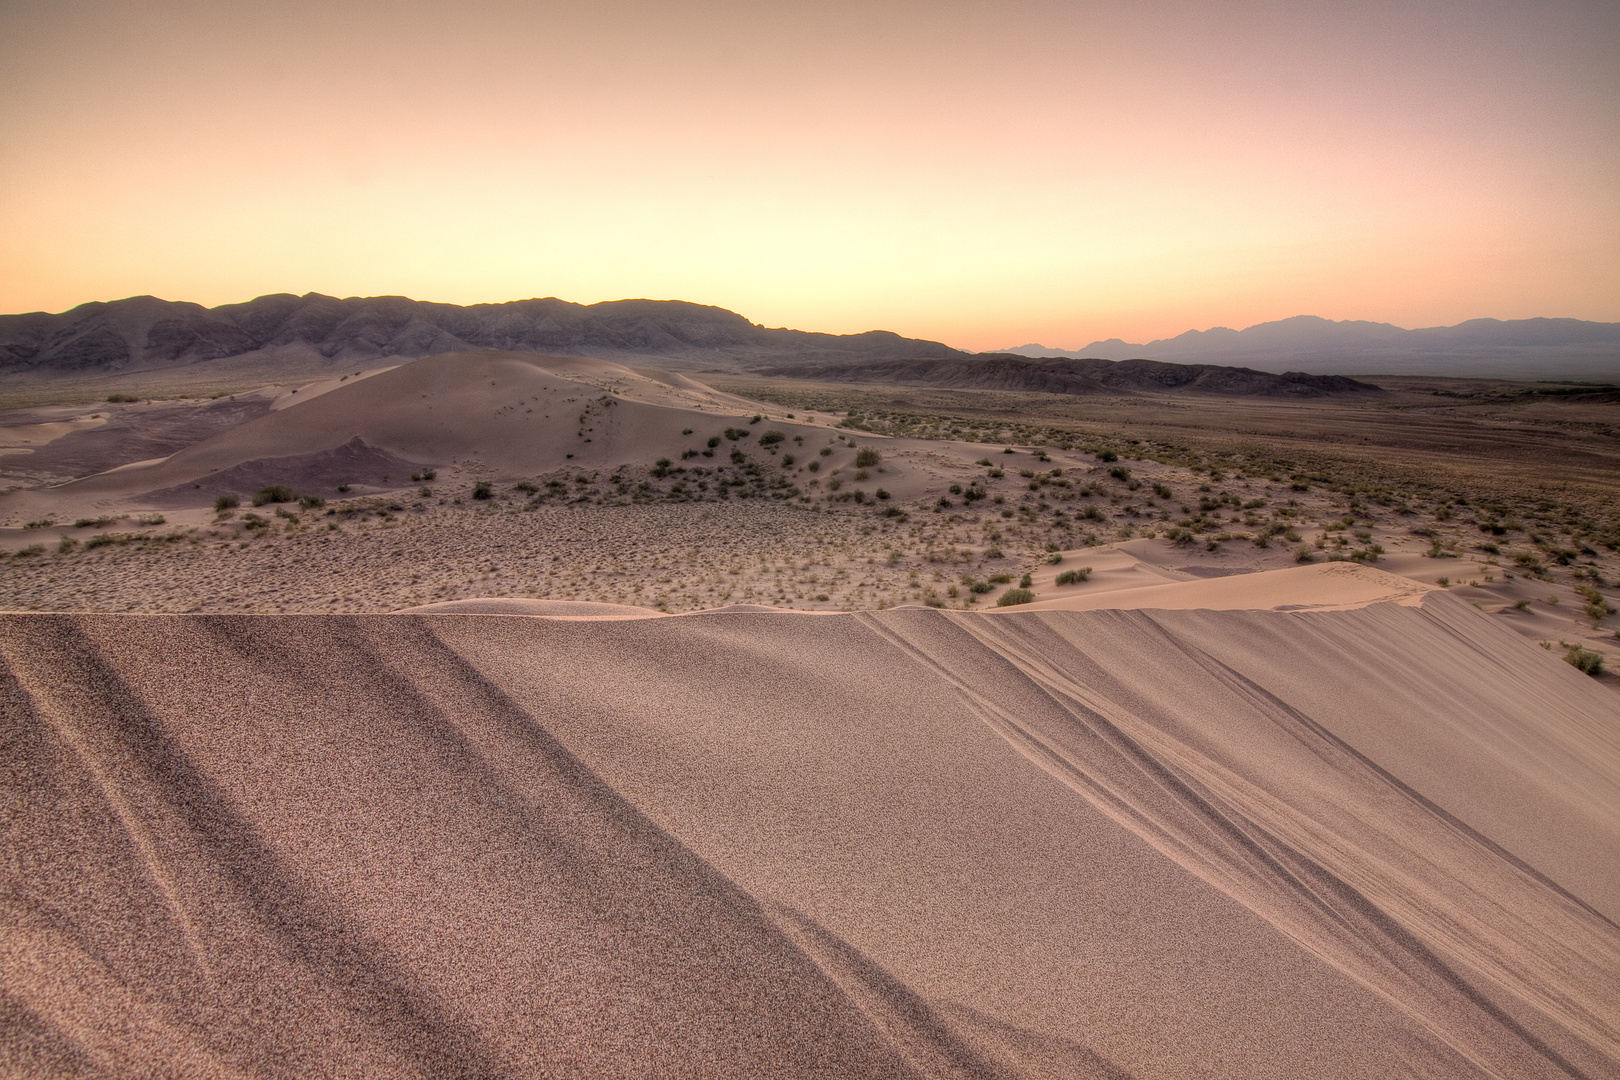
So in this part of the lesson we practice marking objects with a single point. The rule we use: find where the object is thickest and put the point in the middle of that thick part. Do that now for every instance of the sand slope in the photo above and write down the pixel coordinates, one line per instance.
(1364, 842)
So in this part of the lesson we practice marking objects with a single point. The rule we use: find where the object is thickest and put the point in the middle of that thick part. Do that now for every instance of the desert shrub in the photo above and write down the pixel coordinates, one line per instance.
(661, 467)
(103, 539)
(151, 519)
(33, 549)
(770, 438)
(756, 418)
(834, 484)
(738, 457)
(42, 523)
(342, 488)
(867, 458)
(881, 494)
(65, 545)
(825, 450)
(94, 523)
(1074, 577)
(1054, 558)
(1304, 554)
(686, 431)
(979, 587)
(814, 466)
(119, 398)
(315, 502)
(1120, 472)
(714, 442)
(1107, 455)
(1587, 661)
(482, 490)
(974, 493)
(226, 502)
(1014, 596)
(735, 433)
(787, 461)
(275, 493)
(1163, 492)
(1026, 582)
(994, 553)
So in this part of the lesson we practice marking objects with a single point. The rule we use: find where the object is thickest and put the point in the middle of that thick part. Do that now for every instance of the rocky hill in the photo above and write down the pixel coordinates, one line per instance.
(144, 333)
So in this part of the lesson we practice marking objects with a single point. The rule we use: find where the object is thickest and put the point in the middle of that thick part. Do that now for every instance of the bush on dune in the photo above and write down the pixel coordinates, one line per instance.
(1588, 661)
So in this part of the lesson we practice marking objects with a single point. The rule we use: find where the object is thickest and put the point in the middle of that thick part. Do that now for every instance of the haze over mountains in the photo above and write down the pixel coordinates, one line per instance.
(1514, 349)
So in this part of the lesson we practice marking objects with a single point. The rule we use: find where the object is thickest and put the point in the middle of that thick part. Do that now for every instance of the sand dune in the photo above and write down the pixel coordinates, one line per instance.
(1372, 841)
(515, 415)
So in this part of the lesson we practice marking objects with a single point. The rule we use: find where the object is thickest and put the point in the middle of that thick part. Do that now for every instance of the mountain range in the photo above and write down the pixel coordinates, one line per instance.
(284, 335)
(144, 333)
(1514, 349)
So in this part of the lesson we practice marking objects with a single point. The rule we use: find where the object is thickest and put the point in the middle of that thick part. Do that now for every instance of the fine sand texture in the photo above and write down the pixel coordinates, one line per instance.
(1376, 836)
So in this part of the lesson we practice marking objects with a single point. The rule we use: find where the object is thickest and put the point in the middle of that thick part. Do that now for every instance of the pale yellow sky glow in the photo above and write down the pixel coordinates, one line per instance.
(980, 173)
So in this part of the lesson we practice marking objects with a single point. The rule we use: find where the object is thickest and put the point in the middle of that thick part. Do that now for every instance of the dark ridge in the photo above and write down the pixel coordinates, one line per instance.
(1087, 375)
(356, 462)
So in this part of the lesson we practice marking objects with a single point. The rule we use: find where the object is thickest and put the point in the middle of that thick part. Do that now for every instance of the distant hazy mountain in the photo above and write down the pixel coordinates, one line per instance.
(144, 333)
(1518, 348)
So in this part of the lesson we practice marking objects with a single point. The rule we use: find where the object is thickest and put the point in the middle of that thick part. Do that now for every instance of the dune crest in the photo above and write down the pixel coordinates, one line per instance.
(904, 843)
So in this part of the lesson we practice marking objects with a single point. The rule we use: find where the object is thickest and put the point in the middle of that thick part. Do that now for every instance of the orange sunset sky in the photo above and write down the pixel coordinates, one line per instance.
(982, 173)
